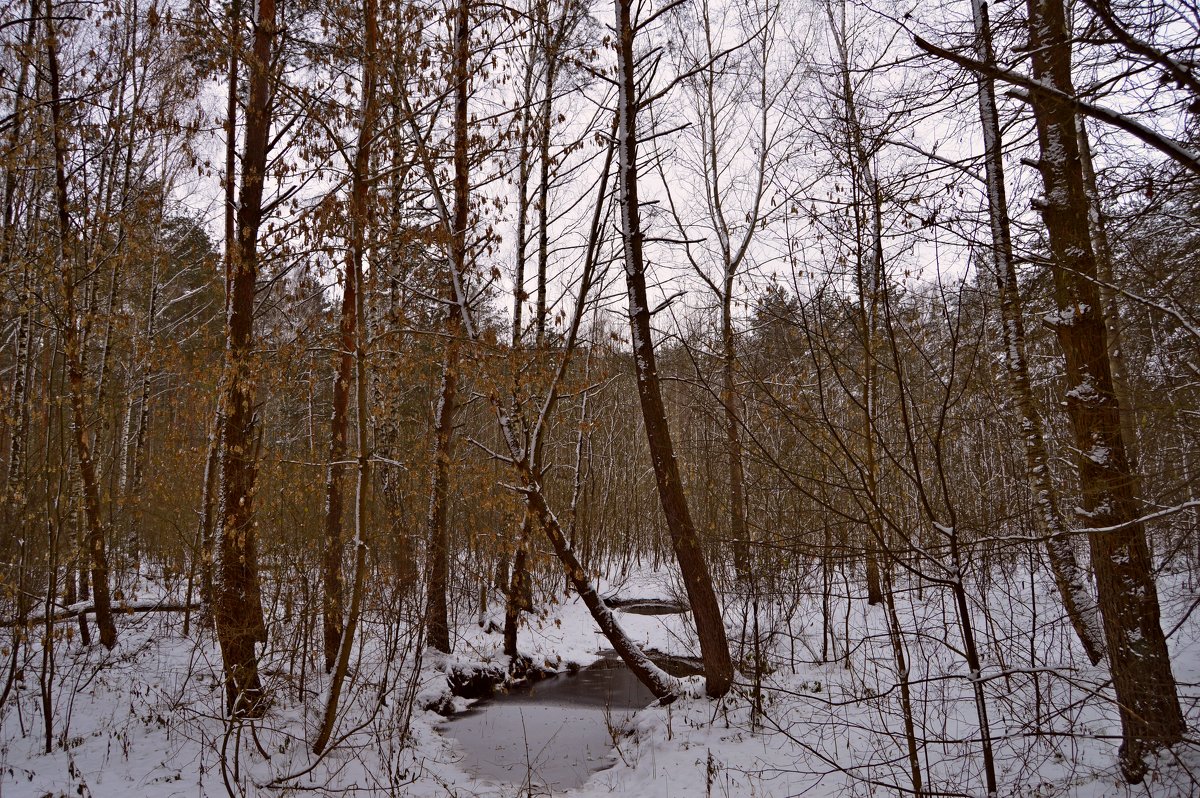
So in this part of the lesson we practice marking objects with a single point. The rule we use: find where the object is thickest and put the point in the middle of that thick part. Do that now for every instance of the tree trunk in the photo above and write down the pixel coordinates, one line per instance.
(14, 494)
(714, 647)
(359, 218)
(1070, 579)
(868, 282)
(332, 608)
(738, 529)
(1141, 668)
(238, 604)
(544, 126)
(139, 437)
(74, 351)
(208, 512)
(1108, 296)
(436, 620)
(664, 686)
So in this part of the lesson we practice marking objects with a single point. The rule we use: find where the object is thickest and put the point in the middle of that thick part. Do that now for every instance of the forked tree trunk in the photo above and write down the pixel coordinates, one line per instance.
(359, 218)
(1137, 650)
(1070, 579)
(714, 646)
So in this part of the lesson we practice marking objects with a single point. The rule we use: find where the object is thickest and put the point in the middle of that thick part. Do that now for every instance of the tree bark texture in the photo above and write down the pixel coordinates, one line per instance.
(238, 604)
(359, 217)
(332, 605)
(437, 628)
(73, 346)
(1070, 579)
(714, 647)
(1141, 669)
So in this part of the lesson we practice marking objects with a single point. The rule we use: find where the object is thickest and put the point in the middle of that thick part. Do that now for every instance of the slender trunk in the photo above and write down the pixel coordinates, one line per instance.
(874, 539)
(738, 530)
(74, 351)
(332, 608)
(14, 473)
(239, 619)
(545, 124)
(510, 581)
(436, 620)
(208, 505)
(1070, 579)
(437, 624)
(359, 188)
(519, 295)
(714, 647)
(902, 673)
(1137, 650)
(868, 278)
(139, 437)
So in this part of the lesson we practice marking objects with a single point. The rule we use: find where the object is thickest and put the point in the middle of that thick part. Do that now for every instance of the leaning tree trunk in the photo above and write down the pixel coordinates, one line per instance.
(1137, 649)
(661, 684)
(238, 605)
(1070, 579)
(714, 647)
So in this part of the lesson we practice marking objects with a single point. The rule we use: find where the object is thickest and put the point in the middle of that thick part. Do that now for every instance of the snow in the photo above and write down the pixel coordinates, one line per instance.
(145, 719)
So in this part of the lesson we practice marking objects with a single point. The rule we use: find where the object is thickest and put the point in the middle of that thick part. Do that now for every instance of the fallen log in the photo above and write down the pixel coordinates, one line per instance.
(70, 612)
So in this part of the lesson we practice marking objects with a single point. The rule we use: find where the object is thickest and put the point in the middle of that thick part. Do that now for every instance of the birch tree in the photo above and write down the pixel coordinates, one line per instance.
(1072, 581)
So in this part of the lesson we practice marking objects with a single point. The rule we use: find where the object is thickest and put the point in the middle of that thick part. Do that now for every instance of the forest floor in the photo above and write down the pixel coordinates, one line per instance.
(146, 720)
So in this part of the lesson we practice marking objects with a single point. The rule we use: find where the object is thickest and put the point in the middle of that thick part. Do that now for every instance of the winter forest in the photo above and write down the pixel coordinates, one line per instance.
(650, 398)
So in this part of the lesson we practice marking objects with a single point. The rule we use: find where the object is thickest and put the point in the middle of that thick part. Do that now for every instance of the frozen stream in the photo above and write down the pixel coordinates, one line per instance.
(552, 734)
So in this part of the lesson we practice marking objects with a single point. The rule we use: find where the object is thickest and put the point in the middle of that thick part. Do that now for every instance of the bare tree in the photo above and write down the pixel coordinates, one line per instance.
(1071, 580)
(1137, 650)
(706, 612)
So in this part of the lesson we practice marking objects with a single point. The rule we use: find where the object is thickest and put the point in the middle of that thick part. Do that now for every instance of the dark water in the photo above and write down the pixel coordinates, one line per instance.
(552, 734)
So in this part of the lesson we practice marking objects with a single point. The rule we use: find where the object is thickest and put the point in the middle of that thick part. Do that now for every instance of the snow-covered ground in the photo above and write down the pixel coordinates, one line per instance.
(146, 720)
